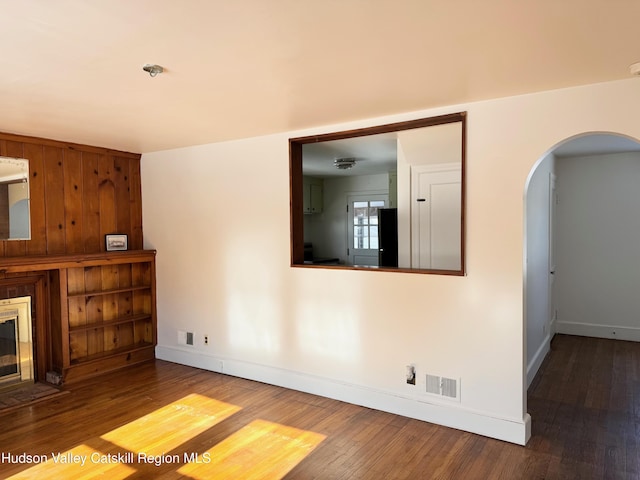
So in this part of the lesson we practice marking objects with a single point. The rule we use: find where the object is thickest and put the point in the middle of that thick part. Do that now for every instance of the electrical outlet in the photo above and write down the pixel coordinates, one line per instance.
(411, 374)
(206, 339)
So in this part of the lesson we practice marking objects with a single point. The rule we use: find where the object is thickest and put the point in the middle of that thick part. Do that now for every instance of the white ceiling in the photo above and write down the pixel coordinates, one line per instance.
(72, 69)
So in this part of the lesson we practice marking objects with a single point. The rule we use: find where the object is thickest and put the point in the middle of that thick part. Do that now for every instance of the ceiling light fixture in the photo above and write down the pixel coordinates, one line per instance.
(344, 163)
(634, 69)
(153, 70)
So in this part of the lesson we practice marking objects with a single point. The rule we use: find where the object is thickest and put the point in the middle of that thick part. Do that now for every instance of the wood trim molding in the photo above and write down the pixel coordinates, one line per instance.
(386, 128)
(296, 189)
(66, 145)
(39, 263)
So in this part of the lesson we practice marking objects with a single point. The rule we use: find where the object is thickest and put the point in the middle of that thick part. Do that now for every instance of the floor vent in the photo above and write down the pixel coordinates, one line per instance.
(443, 387)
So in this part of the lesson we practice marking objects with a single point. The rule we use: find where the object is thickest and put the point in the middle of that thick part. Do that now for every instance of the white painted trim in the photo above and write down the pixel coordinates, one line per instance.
(508, 429)
(631, 334)
(537, 359)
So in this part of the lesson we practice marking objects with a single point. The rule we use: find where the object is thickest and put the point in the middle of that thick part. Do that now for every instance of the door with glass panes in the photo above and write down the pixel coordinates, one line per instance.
(362, 228)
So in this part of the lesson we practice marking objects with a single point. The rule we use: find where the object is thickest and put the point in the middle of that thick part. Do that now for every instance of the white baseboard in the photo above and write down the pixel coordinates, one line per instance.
(600, 331)
(454, 416)
(538, 358)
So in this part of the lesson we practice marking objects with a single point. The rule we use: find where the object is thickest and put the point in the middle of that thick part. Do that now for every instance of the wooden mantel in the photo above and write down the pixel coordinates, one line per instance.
(38, 263)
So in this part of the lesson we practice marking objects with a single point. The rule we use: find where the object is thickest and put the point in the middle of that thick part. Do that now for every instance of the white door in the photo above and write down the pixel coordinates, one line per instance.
(362, 228)
(436, 210)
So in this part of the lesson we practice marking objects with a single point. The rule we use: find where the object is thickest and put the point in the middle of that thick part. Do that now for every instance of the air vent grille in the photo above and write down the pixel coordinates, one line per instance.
(433, 384)
(443, 387)
(185, 338)
(450, 387)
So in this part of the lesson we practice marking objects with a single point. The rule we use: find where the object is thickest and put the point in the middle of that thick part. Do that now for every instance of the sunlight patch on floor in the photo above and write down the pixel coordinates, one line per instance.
(260, 450)
(169, 427)
(140, 441)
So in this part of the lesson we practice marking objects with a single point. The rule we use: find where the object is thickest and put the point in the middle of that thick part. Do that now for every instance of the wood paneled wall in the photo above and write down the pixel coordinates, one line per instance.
(79, 193)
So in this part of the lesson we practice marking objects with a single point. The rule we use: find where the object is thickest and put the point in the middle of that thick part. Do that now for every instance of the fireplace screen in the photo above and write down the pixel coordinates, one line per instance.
(8, 347)
(16, 346)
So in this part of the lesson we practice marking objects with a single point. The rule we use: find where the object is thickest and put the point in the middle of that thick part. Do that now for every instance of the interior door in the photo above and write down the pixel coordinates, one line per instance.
(435, 217)
(362, 228)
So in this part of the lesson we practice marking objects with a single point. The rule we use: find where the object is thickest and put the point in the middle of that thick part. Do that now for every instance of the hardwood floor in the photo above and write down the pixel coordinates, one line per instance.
(584, 404)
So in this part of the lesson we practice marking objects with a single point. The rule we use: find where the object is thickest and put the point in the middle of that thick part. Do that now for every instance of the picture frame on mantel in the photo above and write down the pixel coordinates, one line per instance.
(116, 241)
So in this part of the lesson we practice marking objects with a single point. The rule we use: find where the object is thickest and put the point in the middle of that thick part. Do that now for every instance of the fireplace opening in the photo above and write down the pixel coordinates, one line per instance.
(16, 343)
(8, 347)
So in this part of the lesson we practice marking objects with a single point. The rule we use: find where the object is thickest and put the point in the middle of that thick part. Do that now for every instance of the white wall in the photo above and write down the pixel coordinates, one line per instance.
(537, 266)
(598, 237)
(219, 217)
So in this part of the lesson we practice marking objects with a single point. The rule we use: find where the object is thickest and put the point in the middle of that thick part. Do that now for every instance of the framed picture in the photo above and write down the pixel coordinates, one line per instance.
(116, 242)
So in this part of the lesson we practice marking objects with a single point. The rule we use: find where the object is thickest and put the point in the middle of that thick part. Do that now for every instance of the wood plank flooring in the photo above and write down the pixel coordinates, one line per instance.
(584, 403)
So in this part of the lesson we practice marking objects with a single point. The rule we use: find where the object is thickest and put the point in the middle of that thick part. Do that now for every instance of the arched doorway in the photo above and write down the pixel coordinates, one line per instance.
(578, 233)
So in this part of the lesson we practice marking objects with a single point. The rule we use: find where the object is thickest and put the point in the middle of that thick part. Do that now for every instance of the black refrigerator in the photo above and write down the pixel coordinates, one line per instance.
(388, 237)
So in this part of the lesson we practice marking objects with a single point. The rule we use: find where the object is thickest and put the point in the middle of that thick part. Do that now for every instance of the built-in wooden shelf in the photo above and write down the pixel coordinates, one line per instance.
(113, 353)
(108, 292)
(119, 321)
(101, 306)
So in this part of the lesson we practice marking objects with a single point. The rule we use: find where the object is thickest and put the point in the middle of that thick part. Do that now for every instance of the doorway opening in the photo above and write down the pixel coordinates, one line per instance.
(363, 228)
(582, 229)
